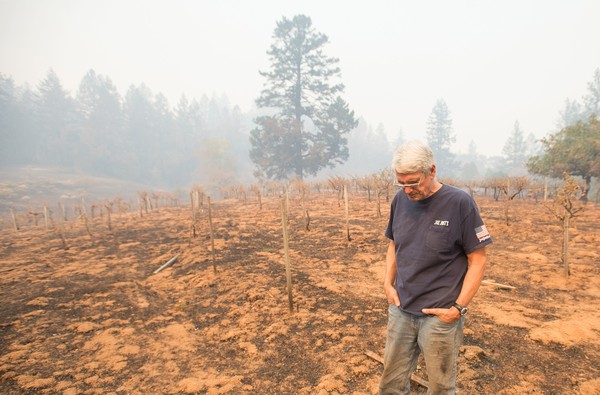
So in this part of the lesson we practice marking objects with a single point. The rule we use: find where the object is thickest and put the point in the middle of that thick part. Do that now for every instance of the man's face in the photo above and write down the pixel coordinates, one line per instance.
(417, 186)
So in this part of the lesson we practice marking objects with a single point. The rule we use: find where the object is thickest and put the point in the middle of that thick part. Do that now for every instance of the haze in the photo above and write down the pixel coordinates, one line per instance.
(493, 63)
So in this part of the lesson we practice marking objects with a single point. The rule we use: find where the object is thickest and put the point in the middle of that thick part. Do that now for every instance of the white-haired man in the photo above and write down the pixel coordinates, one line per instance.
(435, 262)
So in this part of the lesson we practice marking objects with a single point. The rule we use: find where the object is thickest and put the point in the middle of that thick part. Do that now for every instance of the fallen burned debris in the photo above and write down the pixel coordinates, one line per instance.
(166, 265)
(501, 286)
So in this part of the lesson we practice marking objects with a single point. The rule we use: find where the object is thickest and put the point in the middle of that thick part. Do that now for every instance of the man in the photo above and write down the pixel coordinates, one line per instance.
(435, 262)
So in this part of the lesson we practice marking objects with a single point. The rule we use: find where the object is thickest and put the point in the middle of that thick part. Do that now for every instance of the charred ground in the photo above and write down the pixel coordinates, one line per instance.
(94, 318)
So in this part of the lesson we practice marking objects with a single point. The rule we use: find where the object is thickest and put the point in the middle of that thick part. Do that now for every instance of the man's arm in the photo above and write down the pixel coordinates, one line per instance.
(390, 275)
(477, 264)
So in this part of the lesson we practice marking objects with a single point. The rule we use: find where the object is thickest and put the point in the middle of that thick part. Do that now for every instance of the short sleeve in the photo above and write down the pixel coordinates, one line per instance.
(388, 230)
(475, 234)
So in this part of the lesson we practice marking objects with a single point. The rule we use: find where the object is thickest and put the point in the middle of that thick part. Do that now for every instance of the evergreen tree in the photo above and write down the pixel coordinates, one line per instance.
(11, 141)
(54, 117)
(368, 149)
(139, 116)
(379, 152)
(574, 149)
(103, 147)
(592, 99)
(570, 114)
(471, 164)
(532, 146)
(515, 150)
(166, 160)
(399, 140)
(440, 137)
(306, 131)
(27, 128)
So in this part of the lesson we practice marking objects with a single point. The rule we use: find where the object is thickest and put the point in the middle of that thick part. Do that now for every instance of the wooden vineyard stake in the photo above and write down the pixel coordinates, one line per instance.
(139, 204)
(61, 212)
(83, 209)
(85, 222)
(378, 203)
(212, 234)
(193, 207)
(108, 207)
(61, 233)
(288, 272)
(287, 200)
(193, 226)
(59, 229)
(259, 199)
(347, 214)
(45, 217)
(14, 218)
(497, 285)
(197, 203)
(307, 219)
(507, 200)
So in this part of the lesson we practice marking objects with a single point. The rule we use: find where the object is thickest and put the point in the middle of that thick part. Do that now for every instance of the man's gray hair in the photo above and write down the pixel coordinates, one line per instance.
(413, 157)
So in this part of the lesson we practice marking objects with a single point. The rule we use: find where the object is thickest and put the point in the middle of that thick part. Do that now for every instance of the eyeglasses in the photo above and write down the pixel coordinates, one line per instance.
(411, 185)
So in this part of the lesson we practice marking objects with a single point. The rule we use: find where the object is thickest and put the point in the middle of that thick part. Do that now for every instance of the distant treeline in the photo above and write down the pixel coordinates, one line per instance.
(139, 136)
(136, 137)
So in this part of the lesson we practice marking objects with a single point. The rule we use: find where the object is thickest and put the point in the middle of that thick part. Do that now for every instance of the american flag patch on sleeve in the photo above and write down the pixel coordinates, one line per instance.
(482, 233)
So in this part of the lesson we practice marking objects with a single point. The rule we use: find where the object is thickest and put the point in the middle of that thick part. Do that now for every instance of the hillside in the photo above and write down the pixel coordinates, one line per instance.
(30, 186)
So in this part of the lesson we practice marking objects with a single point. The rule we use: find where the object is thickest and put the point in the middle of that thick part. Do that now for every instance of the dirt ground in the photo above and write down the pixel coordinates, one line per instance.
(95, 319)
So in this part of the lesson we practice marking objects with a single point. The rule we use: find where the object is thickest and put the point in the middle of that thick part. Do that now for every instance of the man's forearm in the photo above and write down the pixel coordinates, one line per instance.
(474, 276)
(390, 265)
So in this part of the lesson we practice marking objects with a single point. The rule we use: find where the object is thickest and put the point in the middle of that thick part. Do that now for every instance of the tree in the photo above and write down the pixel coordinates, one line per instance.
(592, 99)
(399, 140)
(306, 132)
(471, 164)
(188, 130)
(570, 114)
(166, 160)
(574, 149)
(564, 207)
(10, 140)
(55, 117)
(515, 150)
(368, 150)
(216, 165)
(440, 136)
(139, 116)
(532, 146)
(104, 149)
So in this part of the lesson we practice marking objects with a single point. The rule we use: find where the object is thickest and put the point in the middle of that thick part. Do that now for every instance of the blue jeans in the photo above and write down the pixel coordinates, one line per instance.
(407, 336)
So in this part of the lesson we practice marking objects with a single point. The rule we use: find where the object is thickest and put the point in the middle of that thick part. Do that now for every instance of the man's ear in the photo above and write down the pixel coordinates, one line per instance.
(432, 171)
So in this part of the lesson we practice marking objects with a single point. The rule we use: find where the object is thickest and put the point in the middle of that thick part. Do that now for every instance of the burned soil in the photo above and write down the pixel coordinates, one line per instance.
(94, 318)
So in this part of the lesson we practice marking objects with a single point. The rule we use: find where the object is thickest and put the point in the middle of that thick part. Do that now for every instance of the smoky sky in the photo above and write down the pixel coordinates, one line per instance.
(493, 63)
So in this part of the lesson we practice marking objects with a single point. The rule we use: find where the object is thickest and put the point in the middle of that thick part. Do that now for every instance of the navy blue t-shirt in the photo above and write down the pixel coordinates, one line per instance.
(432, 238)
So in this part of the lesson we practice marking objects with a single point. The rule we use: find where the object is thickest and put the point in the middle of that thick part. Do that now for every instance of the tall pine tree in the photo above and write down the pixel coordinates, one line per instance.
(103, 148)
(440, 137)
(515, 148)
(592, 99)
(309, 121)
(55, 118)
